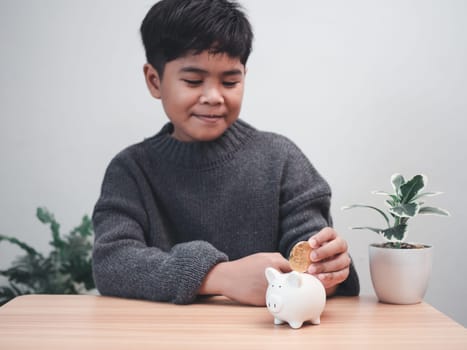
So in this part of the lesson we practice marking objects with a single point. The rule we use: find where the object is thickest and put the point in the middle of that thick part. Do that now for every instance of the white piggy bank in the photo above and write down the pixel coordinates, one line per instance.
(294, 297)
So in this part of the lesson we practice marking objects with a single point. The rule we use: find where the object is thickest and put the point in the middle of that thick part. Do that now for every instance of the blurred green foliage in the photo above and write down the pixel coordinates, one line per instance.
(66, 270)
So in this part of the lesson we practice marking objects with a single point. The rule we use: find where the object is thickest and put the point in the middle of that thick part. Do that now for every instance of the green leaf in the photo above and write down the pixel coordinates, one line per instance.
(394, 198)
(44, 215)
(397, 181)
(411, 188)
(433, 211)
(47, 218)
(377, 230)
(382, 193)
(85, 228)
(398, 232)
(370, 207)
(26, 247)
(408, 210)
(67, 268)
(6, 294)
(426, 194)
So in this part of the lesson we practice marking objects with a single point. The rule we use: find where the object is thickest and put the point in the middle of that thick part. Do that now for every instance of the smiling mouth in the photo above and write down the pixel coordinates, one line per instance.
(208, 118)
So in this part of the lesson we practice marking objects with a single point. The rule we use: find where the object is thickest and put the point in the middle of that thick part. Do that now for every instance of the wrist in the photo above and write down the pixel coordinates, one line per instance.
(215, 281)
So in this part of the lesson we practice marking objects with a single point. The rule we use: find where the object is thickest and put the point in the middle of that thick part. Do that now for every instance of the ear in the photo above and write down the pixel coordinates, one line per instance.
(271, 274)
(153, 81)
(294, 279)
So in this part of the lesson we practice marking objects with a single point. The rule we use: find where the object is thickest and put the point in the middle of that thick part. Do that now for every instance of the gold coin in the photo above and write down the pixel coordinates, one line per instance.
(299, 258)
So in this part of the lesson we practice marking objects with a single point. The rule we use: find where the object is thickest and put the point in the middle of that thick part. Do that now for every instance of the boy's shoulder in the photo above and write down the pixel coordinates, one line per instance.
(130, 151)
(137, 149)
(130, 156)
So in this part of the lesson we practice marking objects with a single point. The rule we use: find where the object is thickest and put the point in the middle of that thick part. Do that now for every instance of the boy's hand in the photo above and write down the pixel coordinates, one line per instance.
(329, 259)
(243, 280)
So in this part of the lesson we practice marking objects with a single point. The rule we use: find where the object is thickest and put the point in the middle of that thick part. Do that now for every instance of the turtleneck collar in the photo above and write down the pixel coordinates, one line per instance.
(201, 154)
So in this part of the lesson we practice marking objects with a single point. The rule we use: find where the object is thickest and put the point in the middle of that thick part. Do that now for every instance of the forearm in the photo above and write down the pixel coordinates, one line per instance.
(243, 280)
(124, 265)
(148, 273)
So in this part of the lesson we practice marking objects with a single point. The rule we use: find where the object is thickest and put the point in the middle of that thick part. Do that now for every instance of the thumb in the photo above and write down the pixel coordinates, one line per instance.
(284, 265)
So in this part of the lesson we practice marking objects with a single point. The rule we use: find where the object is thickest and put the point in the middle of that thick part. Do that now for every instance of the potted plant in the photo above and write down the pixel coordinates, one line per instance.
(399, 270)
(66, 270)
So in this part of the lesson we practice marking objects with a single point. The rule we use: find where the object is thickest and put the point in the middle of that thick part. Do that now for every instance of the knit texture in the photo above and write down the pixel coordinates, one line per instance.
(170, 210)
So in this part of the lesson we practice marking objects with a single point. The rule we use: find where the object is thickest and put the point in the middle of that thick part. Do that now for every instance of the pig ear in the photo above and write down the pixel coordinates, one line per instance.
(294, 279)
(271, 274)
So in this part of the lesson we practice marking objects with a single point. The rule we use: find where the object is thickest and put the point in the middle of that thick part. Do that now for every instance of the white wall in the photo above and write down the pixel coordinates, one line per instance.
(366, 88)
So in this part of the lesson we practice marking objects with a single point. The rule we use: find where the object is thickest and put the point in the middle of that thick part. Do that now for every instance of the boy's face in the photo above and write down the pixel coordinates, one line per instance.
(201, 94)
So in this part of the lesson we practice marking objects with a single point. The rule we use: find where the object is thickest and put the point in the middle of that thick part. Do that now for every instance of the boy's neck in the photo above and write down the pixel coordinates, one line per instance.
(201, 154)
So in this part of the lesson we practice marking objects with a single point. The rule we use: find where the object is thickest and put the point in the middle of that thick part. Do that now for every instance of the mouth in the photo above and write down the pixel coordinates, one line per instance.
(208, 118)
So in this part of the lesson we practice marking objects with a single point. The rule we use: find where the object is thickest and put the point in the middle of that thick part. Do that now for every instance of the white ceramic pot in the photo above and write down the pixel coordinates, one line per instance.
(400, 276)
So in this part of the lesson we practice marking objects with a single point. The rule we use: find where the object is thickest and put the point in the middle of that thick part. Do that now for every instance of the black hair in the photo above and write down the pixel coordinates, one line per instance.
(174, 28)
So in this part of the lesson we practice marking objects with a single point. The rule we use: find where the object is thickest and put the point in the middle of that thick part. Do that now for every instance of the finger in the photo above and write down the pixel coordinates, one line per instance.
(285, 266)
(335, 247)
(336, 263)
(325, 235)
(331, 279)
(281, 263)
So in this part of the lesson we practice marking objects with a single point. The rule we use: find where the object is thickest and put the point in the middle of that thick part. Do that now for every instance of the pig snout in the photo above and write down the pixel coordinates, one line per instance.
(274, 303)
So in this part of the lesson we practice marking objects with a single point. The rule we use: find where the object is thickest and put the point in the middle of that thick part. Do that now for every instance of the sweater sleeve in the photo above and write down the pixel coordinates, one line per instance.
(124, 263)
(305, 201)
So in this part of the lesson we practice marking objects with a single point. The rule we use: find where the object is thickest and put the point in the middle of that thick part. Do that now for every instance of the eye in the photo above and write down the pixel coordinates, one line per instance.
(192, 82)
(230, 83)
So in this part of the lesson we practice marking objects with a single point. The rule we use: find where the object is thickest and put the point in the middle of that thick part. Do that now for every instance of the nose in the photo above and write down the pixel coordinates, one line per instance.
(211, 95)
(274, 303)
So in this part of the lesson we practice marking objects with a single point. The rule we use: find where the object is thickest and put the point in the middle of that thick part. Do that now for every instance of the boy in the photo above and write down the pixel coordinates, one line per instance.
(205, 205)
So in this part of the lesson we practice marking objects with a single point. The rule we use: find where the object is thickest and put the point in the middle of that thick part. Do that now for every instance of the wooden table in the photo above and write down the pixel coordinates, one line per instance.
(96, 322)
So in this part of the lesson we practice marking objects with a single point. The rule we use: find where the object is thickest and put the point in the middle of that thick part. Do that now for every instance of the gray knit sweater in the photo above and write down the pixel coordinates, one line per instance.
(169, 211)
